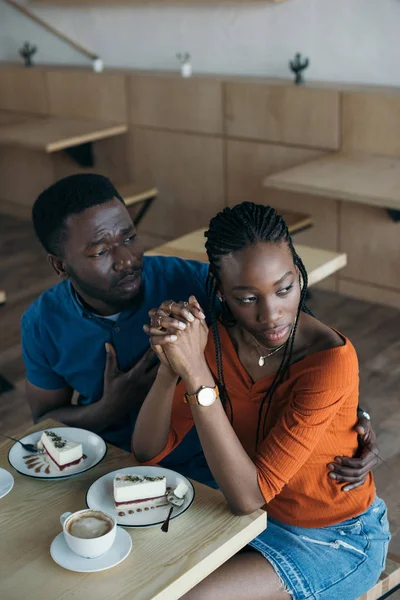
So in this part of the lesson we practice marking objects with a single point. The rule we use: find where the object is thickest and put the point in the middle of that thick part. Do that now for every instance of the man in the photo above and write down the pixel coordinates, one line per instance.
(86, 335)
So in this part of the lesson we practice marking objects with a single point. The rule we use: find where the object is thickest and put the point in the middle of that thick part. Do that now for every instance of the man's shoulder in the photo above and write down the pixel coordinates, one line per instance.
(176, 269)
(54, 298)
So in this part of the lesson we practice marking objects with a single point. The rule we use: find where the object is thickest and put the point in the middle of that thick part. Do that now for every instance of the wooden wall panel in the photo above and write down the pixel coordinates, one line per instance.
(325, 215)
(371, 122)
(283, 113)
(176, 103)
(110, 159)
(369, 293)
(23, 175)
(87, 95)
(248, 163)
(372, 242)
(187, 170)
(23, 90)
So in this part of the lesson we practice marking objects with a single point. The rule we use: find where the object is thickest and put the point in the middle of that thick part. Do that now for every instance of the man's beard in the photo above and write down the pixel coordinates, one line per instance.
(109, 297)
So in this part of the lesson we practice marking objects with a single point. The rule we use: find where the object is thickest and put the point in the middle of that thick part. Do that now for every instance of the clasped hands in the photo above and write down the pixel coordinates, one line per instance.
(178, 335)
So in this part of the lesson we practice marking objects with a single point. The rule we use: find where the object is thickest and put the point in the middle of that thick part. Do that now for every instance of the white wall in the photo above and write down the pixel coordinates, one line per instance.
(346, 40)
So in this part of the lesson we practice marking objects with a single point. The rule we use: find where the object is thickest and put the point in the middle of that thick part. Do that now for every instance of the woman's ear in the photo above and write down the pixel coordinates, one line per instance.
(298, 273)
(220, 295)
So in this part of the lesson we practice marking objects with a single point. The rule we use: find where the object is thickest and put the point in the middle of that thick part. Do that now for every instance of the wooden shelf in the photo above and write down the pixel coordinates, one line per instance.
(51, 134)
(133, 193)
(365, 179)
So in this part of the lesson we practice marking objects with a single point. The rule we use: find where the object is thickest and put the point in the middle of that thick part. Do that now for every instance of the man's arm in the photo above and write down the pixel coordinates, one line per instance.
(122, 393)
(56, 404)
(354, 471)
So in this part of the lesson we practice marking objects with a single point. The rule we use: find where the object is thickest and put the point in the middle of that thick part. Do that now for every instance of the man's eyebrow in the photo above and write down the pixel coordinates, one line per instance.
(103, 239)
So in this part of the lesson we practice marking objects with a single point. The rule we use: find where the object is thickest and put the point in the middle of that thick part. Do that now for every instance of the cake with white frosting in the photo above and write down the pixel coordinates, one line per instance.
(134, 490)
(62, 452)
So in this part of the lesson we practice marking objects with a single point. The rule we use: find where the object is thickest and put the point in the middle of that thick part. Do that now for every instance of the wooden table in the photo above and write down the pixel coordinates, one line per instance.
(51, 134)
(365, 179)
(320, 264)
(161, 566)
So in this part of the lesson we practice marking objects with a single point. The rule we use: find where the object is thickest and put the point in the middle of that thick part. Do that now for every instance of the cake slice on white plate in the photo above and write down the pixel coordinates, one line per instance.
(135, 490)
(62, 452)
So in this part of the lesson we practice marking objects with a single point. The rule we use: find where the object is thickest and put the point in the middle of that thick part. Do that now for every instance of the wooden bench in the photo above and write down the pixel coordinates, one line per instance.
(320, 264)
(138, 193)
(388, 582)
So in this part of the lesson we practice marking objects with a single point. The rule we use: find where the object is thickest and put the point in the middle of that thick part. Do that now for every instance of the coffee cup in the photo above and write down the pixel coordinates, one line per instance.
(89, 533)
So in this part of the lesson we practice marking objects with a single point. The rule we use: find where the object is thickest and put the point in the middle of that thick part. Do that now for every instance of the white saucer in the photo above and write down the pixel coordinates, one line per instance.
(6, 482)
(41, 466)
(63, 555)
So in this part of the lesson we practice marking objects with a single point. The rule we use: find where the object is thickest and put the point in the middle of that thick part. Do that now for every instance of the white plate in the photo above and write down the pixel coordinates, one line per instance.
(100, 497)
(93, 446)
(6, 482)
(63, 555)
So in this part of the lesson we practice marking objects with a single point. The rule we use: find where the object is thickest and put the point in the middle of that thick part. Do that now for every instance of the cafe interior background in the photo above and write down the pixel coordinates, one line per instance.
(193, 106)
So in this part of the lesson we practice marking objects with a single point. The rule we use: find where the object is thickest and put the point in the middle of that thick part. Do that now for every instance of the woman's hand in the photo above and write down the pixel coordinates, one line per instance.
(164, 329)
(186, 353)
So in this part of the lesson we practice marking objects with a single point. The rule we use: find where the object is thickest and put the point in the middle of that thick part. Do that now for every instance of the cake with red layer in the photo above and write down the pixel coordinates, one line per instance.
(139, 489)
(63, 453)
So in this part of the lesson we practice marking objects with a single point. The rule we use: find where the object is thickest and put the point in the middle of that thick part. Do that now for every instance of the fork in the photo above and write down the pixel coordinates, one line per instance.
(28, 447)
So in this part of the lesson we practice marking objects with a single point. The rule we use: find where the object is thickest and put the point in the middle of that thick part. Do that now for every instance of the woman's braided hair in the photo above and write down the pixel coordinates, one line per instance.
(235, 229)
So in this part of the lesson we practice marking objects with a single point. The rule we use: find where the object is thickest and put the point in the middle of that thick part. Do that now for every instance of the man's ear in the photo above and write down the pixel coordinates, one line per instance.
(58, 265)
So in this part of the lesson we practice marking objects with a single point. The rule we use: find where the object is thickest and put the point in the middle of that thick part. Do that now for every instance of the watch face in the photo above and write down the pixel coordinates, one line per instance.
(206, 396)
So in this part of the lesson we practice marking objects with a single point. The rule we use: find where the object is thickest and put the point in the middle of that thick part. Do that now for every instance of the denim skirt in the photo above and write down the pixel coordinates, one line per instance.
(339, 562)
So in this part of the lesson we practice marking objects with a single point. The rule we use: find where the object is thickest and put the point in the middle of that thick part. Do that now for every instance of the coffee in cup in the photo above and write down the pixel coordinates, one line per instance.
(89, 524)
(89, 533)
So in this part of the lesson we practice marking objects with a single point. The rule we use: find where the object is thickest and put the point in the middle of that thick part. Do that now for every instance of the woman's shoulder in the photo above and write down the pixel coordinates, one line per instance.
(328, 355)
(321, 337)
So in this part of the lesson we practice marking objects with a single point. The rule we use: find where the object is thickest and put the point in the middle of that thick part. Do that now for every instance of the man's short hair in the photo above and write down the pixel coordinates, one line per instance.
(69, 196)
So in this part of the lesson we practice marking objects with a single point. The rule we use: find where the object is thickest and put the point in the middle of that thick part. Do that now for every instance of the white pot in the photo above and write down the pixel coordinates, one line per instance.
(98, 65)
(186, 69)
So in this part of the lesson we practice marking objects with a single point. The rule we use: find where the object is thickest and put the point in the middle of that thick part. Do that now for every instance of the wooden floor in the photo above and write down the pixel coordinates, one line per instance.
(373, 329)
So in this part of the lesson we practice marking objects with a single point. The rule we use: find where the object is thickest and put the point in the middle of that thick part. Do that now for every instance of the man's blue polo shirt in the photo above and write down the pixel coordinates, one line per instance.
(63, 343)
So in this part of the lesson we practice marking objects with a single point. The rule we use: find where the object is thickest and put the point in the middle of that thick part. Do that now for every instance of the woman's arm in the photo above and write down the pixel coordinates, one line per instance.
(154, 420)
(231, 466)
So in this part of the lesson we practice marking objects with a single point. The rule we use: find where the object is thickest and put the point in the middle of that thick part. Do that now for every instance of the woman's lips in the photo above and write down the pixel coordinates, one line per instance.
(276, 334)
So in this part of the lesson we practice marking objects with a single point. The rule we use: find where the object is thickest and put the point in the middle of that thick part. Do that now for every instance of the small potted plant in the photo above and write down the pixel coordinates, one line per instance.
(298, 66)
(186, 66)
(27, 51)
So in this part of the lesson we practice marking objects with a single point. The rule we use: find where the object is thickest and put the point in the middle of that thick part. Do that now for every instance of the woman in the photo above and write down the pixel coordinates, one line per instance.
(273, 394)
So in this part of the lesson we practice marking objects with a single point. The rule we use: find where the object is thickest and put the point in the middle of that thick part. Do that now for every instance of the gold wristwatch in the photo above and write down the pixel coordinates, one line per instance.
(205, 396)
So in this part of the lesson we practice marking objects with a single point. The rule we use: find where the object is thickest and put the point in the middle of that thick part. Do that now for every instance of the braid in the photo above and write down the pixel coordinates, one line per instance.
(212, 296)
(231, 230)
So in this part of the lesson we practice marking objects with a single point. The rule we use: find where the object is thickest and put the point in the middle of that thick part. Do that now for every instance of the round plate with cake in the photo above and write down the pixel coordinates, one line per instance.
(138, 496)
(63, 452)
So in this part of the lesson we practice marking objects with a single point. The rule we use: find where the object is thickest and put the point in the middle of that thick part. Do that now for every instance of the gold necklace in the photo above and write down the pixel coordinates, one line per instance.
(262, 359)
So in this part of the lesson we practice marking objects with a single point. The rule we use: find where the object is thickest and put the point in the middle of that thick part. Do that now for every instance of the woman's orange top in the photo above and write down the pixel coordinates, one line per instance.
(310, 421)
